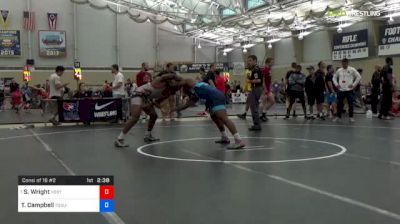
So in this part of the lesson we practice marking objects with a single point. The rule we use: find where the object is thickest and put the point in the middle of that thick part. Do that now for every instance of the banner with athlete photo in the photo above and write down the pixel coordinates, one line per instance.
(52, 43)
(350, 45)
(68, 110)
(10, 43)
(195, 67)
(238, 68)
(100, 109)
(389, 40)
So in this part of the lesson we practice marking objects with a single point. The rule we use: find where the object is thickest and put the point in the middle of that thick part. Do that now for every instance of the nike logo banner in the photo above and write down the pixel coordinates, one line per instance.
(90, 110)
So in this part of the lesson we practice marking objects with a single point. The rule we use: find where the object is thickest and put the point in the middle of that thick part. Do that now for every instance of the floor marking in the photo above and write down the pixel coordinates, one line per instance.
(193, 126)
(312, 189)
(111, 217)
(143, 147)
(372, 159)
(247, 149)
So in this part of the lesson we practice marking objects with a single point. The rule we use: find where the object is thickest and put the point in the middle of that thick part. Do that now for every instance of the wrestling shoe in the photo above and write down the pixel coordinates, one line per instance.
(238, 145)
(150, 138)
(120, 143)
(223, 140)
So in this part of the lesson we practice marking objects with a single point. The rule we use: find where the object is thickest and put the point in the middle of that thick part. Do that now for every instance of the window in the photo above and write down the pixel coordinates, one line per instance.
(251, 4)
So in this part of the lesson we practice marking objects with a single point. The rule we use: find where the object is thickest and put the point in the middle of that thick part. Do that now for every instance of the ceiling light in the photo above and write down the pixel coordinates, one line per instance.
(339, 30)
(248, 45)
(199, 46)
(391, 20)
(269, 46)
(176, 27)
(226, 50)
(244, 50)
(300, 36)
(273, 40)
(224, 53)
(148, 20)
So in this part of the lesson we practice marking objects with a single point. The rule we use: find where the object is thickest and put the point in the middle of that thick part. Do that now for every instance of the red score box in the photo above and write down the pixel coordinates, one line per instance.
(106, 192)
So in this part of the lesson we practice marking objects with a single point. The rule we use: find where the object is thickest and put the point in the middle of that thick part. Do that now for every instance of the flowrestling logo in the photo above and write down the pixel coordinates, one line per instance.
(353, 13)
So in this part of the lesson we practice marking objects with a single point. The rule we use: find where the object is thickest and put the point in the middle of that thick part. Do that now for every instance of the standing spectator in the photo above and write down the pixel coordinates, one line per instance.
(256, 80)
(331, 96)
(247, 90)
(143, 76)
(26, 96)
(219, 82)
(56, 89)
(210, 76)
(375, 90)
(320, 89)
(346, 79)
(13, 86)
(16, 99)
(293, 67)
(310, 87)
(358, 102)
(296, 84)
(267, 98)
(118, 90)
(128, 87)
(387, 89)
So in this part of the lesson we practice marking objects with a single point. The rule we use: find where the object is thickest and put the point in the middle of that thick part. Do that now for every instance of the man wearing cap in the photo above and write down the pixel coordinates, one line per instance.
(346, 79)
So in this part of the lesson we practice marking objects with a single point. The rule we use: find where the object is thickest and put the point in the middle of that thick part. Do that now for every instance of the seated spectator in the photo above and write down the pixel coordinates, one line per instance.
(107, 90)
(395, 110)
(82, 92)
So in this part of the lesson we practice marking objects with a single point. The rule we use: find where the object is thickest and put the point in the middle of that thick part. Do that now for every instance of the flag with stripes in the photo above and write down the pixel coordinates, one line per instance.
(29, 20)
(52, 19)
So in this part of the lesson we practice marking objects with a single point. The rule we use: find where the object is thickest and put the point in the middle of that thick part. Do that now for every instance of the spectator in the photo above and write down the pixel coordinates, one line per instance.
(375, 90)
(296, 85)
(210, 76)
(311, 91)
(107, 90)
(118, 89)
(16, 98)
(320, 89)
(358, 102)
(128, 87)
(26, 96)
(331, 97)
(82, 92)
(346, 79)
(395, 110)
(13, 86)
(293, 68)
(143, 76)
(387, 89)
(267, 98)
(2, 100)
(56, 87)
(219, 82)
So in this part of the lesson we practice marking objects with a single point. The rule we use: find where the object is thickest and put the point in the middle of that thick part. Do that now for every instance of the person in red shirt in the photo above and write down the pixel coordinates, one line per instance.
(219, 82)
(268, 98)
(16, 99)
(143, 76)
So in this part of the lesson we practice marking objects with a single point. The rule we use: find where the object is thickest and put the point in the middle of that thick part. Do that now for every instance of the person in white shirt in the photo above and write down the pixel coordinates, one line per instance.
(118, 87)
(346, 79)
(55, 91)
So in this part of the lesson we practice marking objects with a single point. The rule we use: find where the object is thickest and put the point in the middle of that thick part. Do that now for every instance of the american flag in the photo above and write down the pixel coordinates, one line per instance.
(29, 20)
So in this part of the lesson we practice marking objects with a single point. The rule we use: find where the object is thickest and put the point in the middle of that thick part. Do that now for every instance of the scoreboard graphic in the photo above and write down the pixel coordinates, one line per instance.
(66, 194)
